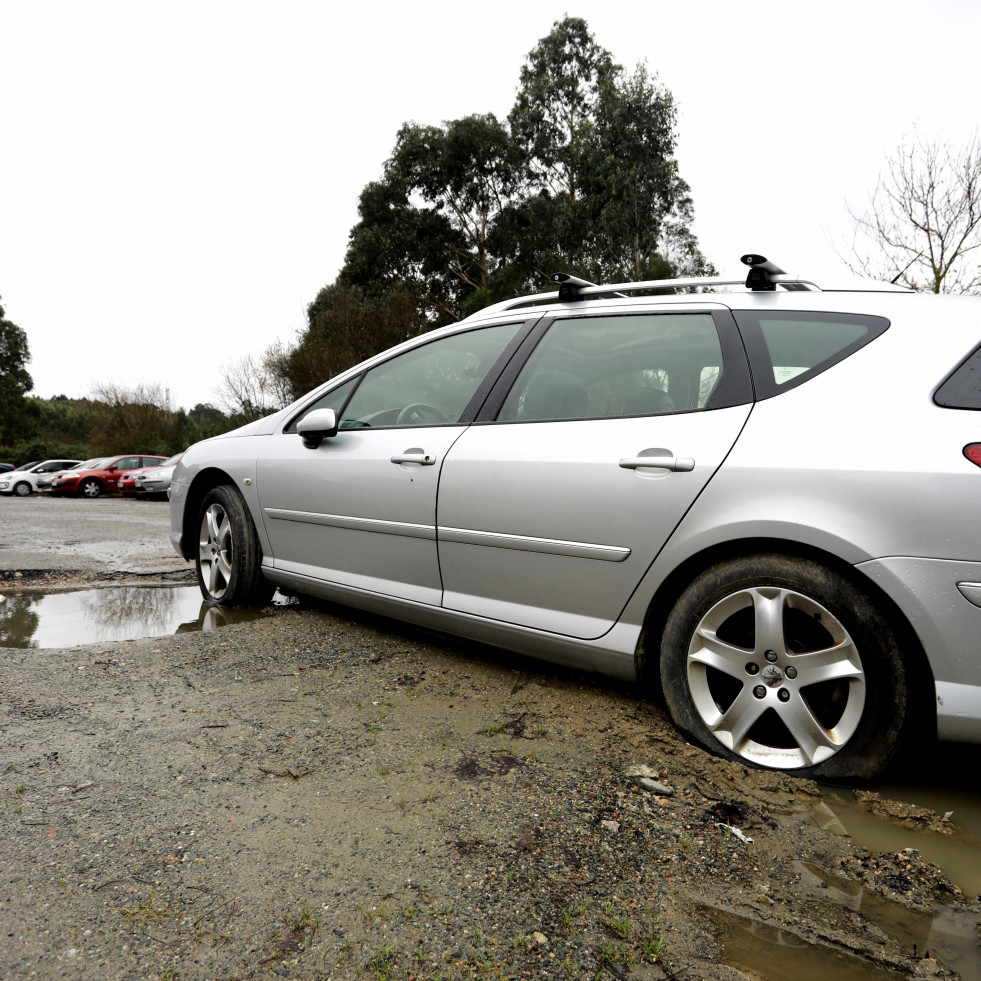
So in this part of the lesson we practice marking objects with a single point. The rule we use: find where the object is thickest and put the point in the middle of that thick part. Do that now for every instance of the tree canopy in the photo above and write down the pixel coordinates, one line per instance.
(580, 177)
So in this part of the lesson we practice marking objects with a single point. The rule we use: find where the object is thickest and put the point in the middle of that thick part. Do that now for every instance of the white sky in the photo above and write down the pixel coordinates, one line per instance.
(178, 179)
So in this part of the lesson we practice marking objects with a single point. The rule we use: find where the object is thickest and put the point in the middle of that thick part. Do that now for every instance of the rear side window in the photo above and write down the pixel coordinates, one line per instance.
(626, 365)
(788, 349)
(962, 389)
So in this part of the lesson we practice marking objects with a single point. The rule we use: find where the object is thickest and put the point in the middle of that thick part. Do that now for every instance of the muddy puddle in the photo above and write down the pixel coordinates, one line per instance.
(91, 616)
(946, 935)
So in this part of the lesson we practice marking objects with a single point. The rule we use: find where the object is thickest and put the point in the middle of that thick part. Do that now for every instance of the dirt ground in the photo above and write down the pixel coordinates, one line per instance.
(323, 795)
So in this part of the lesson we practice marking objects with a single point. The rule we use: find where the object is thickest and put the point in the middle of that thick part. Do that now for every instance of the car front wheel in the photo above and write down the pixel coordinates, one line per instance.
(784, 663)
(90, 488)
(22, 488)
(229, 559)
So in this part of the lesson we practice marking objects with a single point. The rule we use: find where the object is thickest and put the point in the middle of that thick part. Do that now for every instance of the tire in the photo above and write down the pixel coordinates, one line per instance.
(229, 559)
(90, 487)
(23, 489)
(819, 690)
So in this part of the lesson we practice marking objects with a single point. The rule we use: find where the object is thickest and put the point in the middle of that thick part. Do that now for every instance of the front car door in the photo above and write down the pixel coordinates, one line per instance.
(548, 513)
(360, 509)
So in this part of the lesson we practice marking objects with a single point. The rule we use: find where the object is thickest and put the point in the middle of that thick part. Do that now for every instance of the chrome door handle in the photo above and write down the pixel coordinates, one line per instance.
(415, 456)
(677, 463)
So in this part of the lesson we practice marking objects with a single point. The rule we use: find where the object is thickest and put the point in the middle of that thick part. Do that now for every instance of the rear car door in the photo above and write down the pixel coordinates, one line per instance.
(549, 514)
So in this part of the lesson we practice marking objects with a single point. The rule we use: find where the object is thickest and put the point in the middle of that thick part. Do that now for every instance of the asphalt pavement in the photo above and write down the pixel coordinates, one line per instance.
(109, 534)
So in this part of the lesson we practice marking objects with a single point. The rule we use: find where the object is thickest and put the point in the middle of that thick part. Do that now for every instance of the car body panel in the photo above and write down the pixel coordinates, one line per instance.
(527, 511)
(346, 512)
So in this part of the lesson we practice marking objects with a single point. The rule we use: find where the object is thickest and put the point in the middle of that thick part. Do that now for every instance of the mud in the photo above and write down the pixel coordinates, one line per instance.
(319, 794)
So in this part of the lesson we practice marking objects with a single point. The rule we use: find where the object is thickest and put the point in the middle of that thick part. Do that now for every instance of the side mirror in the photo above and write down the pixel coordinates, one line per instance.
(316, 426)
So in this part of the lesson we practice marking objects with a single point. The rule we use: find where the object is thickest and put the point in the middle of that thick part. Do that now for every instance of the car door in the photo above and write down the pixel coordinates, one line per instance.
(360, 508)
(117, 469)
(549, 514)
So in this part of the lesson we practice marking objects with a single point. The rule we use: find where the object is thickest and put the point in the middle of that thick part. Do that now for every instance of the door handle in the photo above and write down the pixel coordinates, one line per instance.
(683, 464)
(415, 456)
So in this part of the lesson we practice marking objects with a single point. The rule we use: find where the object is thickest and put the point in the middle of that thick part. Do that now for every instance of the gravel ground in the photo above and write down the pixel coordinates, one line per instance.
(323, 795)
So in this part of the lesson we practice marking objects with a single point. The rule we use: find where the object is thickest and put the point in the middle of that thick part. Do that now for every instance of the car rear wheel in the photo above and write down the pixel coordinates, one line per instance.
(229, 559)
(783, 663)
(22, 488)
(90, 488)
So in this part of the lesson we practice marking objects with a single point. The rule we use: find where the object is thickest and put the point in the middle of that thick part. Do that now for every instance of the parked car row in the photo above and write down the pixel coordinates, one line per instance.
(92, 478)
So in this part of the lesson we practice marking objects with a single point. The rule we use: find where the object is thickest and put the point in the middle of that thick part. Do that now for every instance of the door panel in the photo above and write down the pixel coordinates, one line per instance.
(539, 524)
(346, 513)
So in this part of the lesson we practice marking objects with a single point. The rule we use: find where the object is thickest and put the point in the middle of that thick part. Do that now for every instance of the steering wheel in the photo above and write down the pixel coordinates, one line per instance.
(419, 414)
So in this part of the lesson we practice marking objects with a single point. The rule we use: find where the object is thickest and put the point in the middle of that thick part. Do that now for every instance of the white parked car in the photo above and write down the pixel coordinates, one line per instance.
(763, 496)
(24, 480)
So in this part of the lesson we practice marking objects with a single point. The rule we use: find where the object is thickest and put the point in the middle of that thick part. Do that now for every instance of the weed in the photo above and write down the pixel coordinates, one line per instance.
(412, 912)
(385, 771)
(494, 729)
(413, 690)
(653, 947)
(20, 788)
(382, 962)
(622, 925)
(540, 731)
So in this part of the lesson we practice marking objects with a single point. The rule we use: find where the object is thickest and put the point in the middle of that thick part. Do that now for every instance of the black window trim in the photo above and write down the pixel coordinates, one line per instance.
(950, 383)
(476, 400)
(761, 364)
(735, 386)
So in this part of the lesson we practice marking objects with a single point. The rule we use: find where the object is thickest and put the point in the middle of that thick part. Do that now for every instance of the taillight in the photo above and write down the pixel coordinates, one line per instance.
(973, 452)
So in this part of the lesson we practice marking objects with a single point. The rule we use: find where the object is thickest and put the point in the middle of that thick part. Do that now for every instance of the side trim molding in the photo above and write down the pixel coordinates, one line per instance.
(523, 543)
(375, 525)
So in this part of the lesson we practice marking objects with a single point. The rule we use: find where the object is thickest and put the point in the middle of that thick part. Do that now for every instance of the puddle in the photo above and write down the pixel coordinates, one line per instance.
(957, 853)
(949, 935)
(93, 616)
(778, 955)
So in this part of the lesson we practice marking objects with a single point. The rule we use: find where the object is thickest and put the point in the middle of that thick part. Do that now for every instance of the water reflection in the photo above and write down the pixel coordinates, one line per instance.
(18, 621)
(947, 933)
(93, 616)
(957, 853)
(779, 955)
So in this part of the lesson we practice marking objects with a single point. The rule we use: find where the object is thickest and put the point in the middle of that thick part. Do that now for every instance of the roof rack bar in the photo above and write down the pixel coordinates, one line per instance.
(764, 275)
(570, 287)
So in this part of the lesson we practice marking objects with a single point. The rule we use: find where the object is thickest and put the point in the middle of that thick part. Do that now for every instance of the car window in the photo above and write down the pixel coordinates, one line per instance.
(429, 385)
(127, 463)
(962, 389)
(334, 399)
(787, 349)
(602, 367)
(150, 461)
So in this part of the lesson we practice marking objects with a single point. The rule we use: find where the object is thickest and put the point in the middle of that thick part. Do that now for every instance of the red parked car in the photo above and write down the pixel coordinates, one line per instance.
(103, 478)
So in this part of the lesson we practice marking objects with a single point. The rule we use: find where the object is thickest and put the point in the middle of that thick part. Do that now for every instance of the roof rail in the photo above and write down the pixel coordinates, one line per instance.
(763, 275)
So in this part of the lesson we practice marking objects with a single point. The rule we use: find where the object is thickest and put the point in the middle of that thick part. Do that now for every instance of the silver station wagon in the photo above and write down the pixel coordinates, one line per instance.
(765, 496)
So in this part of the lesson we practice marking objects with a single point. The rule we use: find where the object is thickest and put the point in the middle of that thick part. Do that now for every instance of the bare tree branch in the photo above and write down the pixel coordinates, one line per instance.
(923, 223)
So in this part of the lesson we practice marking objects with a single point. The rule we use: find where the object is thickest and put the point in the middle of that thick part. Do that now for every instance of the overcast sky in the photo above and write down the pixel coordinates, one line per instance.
(178, 179)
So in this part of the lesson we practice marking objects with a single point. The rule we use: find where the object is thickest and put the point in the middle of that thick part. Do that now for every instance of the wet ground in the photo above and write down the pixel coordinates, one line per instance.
(318, 794)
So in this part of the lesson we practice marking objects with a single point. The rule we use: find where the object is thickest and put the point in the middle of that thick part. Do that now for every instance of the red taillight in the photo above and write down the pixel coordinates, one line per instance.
(973, 452)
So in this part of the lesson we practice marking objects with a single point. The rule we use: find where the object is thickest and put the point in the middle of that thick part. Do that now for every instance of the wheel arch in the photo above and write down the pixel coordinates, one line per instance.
(195, 494)
(647, 655)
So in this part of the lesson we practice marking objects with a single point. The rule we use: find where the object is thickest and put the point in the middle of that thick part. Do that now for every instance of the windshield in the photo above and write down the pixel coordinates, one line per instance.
(27, 466)
(93, 464)
(173, 461)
